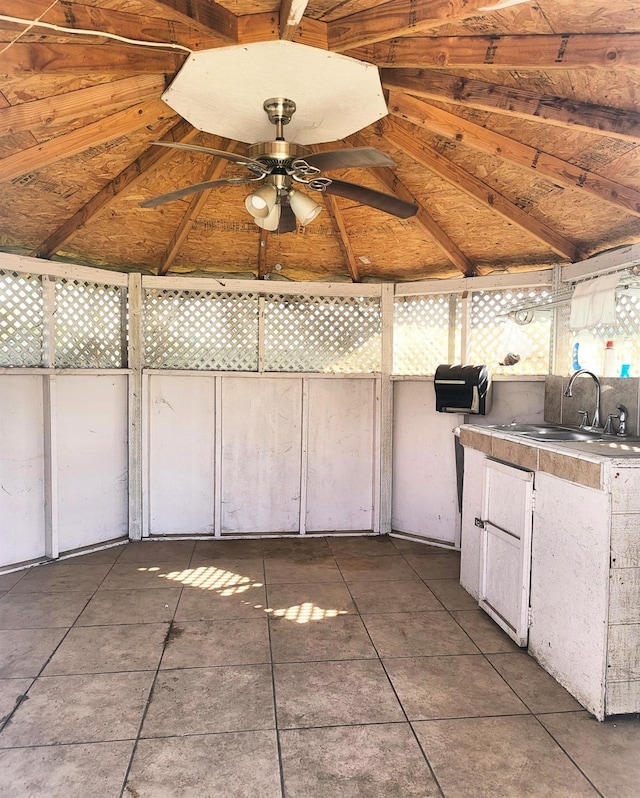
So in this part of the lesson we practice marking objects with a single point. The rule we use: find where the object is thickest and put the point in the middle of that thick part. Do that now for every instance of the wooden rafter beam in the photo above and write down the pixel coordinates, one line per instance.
(78, 59)
(573, 51)
(516, 152)
(290, 16)
(105, 98)
(94, 134)
(397, 18)
(522, 104)
(207, 16)
(390, 180)
(154, 157)
(340, 230)
(198, 201)
(131, 26)
(262, 253)
(470, 185)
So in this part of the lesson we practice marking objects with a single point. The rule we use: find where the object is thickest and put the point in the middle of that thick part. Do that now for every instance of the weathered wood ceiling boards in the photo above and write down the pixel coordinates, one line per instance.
(514, 126)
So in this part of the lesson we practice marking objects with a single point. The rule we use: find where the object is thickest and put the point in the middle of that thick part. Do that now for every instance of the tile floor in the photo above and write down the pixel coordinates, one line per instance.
(320, 668)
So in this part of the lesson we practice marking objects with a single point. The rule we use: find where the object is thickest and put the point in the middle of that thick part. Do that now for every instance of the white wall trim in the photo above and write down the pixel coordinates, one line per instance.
(28, 265)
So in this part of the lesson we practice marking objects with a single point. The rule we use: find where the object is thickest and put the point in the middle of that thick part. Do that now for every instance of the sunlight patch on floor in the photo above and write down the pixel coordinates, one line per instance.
(226, 583)
(305, 612)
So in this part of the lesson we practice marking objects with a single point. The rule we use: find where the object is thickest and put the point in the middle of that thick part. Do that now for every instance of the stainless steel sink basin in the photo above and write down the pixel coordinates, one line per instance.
(551, 432)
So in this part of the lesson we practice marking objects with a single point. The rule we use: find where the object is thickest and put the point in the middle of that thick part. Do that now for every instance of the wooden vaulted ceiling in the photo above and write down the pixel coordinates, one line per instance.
(516, 132)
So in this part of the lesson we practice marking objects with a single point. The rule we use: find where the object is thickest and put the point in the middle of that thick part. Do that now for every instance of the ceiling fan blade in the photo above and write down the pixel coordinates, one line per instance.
(287, 220)
(347, 158)
(240, 160)
(183, 192)
(376, 199)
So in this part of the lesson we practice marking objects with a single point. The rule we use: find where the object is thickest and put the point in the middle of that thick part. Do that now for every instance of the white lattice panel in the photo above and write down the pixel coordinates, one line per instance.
(322, 334)
(426, 332)
(201, 330)
(88, 324)
(493, 335)
(21, 323)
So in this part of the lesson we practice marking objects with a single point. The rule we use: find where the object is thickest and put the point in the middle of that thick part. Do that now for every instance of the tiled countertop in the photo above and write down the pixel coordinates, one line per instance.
(586, 463)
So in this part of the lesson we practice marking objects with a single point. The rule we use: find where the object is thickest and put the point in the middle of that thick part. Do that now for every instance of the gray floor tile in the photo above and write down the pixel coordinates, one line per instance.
(11, 692)
(208, 700)
(103, 649)
(201, 604)
(315, 601)
(141, 576)
(382, 761)
(63, 577)
(79, 709)
(375, 569)
(489, 757)
(451, 594)
(246, 766)
(370, 546)
(486, 634)
(417, 634)
(451, 687)
(343, 637)
(243, 549)
(40, 610)
(284, 570)
(156, 552)
(608, 753)
(445, 565)
(7, 581)
(195, 644)
(296, 548)
(334, 693)
(23, 652)
(539, 691)
(223, 573)
(65, 771)
(404, 596)
(130, 606)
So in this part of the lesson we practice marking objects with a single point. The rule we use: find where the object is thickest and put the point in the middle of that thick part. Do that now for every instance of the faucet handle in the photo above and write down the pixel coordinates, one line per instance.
(584, 420)
(608, 427)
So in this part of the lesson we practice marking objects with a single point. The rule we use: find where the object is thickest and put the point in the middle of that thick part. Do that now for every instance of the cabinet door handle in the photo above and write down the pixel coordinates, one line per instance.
(479, 522)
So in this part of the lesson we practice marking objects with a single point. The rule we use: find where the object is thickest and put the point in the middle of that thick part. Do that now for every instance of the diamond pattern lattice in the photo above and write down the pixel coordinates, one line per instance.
(493, 334)
(201, 330)
(322, 334)
(426, 332)
(21, 320)
(88, 324)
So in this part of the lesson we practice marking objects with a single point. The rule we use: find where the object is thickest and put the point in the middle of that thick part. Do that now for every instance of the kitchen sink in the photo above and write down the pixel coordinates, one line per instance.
(553, 432)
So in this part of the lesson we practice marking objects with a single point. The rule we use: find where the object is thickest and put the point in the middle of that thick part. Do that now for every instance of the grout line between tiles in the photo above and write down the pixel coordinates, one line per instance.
(151, 689)
(273, 696)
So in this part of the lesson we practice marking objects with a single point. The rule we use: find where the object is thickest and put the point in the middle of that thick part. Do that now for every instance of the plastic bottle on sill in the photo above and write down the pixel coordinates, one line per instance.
(610, 361)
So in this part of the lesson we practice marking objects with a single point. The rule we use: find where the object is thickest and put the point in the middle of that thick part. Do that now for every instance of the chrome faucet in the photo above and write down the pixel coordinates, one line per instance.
(568, 392)
(622, 424)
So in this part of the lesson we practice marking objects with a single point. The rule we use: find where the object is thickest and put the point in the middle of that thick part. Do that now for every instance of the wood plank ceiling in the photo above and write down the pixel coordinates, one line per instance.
(515, 130)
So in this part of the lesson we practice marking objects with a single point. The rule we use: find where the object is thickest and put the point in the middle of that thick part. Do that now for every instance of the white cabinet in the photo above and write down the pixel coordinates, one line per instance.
(505, 548)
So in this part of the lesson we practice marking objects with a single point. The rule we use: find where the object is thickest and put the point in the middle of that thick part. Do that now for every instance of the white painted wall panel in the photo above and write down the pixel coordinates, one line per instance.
(261, 454)
(92, 459)
(340, 455)
(21, 469)
(181, 438)
(424, 473)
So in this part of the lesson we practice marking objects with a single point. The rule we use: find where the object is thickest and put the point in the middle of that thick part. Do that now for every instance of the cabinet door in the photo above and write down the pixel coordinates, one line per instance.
(505, 554)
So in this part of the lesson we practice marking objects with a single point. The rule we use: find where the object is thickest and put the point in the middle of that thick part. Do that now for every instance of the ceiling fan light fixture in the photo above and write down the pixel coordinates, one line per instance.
(270, 222)
(304, 208)
(262, 201)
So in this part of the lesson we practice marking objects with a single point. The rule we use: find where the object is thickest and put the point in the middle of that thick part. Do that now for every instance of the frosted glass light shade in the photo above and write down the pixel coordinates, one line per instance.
(262, 201)
(271, 221)
(304, 208)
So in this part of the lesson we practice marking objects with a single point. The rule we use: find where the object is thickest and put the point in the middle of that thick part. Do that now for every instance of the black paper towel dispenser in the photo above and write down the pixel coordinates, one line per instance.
(463, 389)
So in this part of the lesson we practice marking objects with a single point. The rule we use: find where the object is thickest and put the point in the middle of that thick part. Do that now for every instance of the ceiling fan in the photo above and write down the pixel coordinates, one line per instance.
(276, 165)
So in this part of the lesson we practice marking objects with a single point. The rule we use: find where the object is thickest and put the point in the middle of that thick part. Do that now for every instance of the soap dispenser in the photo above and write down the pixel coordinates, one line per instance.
(610, 361)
